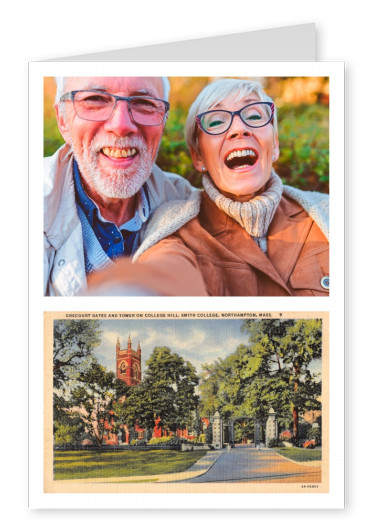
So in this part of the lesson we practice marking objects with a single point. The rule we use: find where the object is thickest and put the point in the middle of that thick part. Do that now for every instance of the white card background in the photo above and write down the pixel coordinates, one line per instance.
(34, 31)
(333, 304)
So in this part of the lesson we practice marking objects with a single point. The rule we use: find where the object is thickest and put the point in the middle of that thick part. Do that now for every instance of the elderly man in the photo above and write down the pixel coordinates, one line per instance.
(102, 186)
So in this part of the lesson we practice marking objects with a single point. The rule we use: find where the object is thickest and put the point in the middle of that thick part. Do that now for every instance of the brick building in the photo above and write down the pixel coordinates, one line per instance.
(128, 369)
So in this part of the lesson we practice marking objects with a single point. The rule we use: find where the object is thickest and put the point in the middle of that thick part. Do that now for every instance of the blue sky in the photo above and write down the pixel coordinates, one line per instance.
(196, 340)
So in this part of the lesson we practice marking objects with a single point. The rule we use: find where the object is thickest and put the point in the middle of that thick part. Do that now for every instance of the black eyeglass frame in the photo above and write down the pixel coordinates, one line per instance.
(71, 96)
(236, 113)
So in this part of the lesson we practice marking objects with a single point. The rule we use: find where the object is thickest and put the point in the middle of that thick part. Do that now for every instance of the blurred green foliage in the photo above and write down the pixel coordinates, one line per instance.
(303, 141)
(174, 155)
(52, 137)
(304, 146)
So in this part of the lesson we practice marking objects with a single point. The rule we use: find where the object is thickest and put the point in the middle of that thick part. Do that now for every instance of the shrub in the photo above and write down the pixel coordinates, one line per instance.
(315, 434)
(177, 440)
(274, 443)
(159, 440)
(209, 434)
(200, 439)
(285, 436)
(303, 428)
(68, 434)
(309, 444)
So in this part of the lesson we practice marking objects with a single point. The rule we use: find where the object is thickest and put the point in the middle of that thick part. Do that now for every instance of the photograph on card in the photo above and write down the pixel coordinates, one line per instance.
(186, 186)
(186, 402)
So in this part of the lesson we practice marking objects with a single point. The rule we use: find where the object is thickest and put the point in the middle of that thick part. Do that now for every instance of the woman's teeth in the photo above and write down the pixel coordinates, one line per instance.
(241, 153)
(119, 153)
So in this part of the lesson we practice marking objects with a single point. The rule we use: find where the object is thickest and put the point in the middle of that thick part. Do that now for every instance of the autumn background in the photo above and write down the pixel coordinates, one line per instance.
(303, 125)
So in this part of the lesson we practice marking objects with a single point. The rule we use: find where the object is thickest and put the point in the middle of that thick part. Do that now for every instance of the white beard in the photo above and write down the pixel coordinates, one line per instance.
(115, 183)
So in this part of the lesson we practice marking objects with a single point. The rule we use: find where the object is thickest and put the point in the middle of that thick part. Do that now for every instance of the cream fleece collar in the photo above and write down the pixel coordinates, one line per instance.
(255, 215)
(171, 216)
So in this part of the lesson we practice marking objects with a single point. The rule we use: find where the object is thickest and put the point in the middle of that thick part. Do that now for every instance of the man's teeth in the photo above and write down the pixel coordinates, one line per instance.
(241, 153)
(119, 153)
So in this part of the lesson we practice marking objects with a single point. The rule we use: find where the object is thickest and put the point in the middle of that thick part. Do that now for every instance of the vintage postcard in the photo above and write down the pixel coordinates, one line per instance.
(197, 402)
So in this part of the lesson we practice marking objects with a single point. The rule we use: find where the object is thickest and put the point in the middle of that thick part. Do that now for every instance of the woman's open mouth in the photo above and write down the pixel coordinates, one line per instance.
(241, 158)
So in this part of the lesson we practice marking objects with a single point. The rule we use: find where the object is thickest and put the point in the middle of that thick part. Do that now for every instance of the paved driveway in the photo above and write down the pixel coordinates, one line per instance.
(250, 464)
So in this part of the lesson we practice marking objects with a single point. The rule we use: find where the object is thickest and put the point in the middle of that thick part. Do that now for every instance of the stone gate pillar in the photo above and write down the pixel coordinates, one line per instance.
(231, 434)
(257, 432)
(217, 431)
(271, 426)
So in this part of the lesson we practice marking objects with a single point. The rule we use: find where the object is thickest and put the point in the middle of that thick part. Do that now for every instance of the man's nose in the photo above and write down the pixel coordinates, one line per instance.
(120, 121)
(238, 128)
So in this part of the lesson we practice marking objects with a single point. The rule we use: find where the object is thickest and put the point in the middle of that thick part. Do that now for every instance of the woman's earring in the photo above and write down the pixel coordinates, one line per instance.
(203, 168)
(273, 158)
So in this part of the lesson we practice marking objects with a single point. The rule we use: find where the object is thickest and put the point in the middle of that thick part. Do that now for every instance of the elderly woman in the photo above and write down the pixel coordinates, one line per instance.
(248, 234)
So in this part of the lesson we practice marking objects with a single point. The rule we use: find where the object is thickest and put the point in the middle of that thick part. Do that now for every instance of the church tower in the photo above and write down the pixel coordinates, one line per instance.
(128, 363)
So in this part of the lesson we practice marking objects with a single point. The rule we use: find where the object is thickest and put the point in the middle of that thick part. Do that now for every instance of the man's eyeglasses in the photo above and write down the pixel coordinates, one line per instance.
(98, 106)
(253, 115)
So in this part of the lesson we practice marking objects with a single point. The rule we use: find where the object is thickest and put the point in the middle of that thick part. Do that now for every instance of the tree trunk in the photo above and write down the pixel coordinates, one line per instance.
(295, 419)
(295, 411)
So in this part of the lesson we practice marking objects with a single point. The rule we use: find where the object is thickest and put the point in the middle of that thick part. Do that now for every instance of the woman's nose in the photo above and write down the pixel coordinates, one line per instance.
(120, 121)
(238, 128)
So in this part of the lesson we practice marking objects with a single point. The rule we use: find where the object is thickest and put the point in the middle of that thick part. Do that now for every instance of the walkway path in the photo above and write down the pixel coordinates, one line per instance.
(250, 464)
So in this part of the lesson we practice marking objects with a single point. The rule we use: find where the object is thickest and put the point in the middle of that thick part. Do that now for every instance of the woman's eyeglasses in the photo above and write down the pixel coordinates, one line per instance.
(254, 115)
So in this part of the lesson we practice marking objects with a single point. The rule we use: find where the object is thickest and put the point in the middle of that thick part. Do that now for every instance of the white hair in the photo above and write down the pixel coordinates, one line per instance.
(216, 92)
(60, 84)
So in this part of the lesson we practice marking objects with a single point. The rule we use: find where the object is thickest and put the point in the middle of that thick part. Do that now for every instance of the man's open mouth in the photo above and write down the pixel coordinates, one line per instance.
(241, 158)
(116, 153)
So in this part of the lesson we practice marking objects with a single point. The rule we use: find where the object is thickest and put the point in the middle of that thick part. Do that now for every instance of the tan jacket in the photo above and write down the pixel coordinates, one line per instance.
(231, 263)
(213, 255)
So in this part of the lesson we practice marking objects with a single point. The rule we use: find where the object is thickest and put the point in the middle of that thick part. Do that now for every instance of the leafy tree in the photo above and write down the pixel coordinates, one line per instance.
(73, 347)
(67, 427)
(244, 429)
(211, 377)
(167, 392)
(301, 345)
(272, 370)
(278, 366)
(91, 400)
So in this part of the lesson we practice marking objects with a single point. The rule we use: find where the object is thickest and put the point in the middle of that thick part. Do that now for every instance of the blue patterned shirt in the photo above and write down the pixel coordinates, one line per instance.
(115, 241)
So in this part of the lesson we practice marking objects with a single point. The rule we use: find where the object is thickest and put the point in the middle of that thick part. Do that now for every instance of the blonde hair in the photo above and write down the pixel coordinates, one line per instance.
(216, 92)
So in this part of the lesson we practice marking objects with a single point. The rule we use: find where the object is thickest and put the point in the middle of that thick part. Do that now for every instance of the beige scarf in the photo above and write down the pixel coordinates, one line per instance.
(255, 215)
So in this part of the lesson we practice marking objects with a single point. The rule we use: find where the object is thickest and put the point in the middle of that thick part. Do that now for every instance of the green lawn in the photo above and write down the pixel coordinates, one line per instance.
(300, 454)
(85, 465)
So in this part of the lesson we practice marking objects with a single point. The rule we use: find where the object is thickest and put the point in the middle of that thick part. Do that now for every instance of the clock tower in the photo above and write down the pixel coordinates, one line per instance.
(128, 363)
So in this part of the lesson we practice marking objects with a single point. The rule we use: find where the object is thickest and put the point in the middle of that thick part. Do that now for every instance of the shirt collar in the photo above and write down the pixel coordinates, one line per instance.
(87, 204)
(91, 210)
